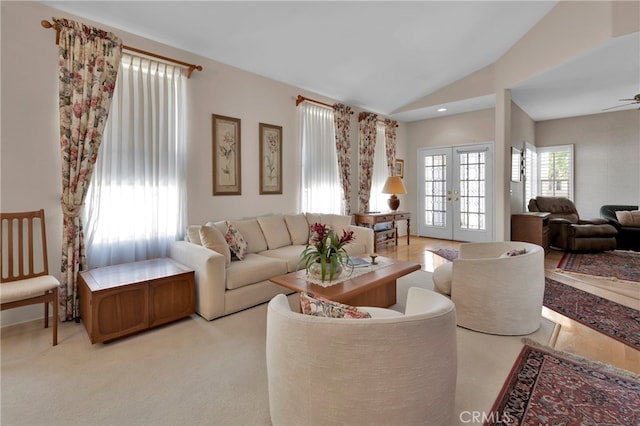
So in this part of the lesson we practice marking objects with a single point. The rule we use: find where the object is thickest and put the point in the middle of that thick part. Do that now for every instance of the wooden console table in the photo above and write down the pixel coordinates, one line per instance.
(532, 227)
(384, 236)
(119, 300)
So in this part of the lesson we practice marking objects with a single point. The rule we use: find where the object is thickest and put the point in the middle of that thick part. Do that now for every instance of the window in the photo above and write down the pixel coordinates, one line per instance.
(548, 171)
(136, 203)
(530, 173)
(555, 171)
(321, 191)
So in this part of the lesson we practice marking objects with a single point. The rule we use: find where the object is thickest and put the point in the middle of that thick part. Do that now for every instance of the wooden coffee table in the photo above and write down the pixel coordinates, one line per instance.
(375, 288)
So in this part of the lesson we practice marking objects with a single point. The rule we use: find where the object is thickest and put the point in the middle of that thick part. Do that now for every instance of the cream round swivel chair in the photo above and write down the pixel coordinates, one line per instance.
(494, 293)
(398, 369)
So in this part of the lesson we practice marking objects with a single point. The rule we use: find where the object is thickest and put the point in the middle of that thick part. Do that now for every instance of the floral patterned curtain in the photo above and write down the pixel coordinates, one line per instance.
(341, 116)
(366, 150)
(87, 69)
(390, 143)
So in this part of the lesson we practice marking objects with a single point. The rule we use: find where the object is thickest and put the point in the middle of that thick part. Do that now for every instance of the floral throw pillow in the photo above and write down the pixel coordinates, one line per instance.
(321, 307)
(236, 241)
(514, 252)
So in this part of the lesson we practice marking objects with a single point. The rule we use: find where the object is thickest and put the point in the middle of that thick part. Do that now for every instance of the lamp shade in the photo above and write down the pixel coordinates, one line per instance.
(394, 185)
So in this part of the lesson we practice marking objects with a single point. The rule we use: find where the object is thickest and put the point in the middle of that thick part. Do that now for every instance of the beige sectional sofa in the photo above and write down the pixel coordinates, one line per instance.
(273, 245)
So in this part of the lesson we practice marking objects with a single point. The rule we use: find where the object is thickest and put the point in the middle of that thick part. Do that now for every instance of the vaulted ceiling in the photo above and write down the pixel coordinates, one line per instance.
(380, 56)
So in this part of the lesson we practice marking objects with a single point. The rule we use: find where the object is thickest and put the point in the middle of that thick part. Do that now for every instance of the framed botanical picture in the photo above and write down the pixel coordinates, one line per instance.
(398, 170)
(226, 155)
(270, 159)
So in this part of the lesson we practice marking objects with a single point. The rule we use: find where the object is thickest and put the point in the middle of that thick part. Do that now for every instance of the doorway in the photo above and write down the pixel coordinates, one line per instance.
(455, 187)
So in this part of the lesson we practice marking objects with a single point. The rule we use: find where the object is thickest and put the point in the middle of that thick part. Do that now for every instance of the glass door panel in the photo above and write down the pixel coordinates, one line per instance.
(455, 189)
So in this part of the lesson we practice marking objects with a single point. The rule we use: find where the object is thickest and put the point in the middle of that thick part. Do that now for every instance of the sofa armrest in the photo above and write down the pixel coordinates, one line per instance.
(364, 236)
(559, 221)
(210, 276)
(596, 221)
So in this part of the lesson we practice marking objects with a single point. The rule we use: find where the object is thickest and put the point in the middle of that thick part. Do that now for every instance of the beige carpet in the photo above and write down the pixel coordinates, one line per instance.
(193, 372)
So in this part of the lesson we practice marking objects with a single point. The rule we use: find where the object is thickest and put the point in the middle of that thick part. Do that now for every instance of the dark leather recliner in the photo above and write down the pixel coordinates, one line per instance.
(628, 237)
(568, 232)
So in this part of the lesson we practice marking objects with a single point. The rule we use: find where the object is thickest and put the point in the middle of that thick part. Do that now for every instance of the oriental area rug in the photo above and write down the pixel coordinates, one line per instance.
(547, 387)
(613, 319)
(449, 254)
(617, 264)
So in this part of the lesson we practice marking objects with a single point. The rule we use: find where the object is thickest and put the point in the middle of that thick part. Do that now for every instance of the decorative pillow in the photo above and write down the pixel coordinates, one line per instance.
(213, 239)
(629, 217)
(236, 242)
(514, 252)
(298, 228)
(321, 307)
(275, 231)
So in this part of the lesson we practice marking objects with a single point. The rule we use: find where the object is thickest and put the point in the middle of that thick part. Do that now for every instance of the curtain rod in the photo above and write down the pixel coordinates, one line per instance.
(363, 114)
(48, 25)
(301, 99)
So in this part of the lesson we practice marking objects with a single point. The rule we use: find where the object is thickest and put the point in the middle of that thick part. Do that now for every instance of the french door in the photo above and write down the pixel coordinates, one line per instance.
(455, 187)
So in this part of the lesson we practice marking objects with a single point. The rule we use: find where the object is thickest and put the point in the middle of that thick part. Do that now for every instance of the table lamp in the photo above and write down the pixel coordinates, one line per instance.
(393, 186)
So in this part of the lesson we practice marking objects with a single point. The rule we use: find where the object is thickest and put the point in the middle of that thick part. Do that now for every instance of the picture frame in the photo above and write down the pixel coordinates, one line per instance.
(270, 141)
(516, 164)
(226, 143)
(398, 170)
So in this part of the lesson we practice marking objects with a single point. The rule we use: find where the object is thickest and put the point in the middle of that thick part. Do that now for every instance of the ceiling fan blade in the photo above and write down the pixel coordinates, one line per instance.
(635, 98)
(620, 106)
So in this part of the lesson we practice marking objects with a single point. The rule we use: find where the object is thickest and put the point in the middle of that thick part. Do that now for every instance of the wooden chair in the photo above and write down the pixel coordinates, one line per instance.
(24, 277)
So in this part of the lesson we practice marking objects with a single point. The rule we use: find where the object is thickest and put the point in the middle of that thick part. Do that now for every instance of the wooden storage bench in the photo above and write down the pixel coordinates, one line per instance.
(119, 300)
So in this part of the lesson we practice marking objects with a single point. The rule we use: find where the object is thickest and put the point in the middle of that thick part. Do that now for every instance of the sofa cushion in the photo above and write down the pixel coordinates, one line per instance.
(291, 254)
(275, 231)
(298, 228)
(355, 248)
(321, 307)
(213, 239)
(221, 225)
(253, 269)
(628, 217)
(337, 222)
(237, 243)
(252, 233)
(592, 231)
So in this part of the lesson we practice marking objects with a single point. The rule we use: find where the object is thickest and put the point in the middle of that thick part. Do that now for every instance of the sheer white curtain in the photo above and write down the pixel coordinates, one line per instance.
(321, 191)
(378, 200)
(136, 205)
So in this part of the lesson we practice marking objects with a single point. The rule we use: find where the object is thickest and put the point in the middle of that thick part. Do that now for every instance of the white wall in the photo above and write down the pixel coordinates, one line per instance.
(459, 129)
(607, 157)
(522, 130)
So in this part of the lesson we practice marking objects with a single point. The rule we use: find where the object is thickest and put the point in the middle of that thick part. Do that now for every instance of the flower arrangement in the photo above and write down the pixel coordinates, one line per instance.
(327, 250)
